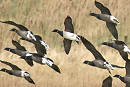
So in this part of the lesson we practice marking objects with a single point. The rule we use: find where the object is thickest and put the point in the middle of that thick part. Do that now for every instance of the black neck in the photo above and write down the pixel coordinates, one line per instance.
(121, 78)
(89, 63)
(7, 71)
(108, 44)
(96, 15)
(61, 33)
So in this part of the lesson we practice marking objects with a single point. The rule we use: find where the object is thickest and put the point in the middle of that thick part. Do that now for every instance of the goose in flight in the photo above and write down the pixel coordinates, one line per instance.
(16, 71)
(99, 61)
(20, 50)
(106, 16)
(23, 31)
(42, 60)
(40, 45)
(125, 79)
(120, 46)
(68, 34)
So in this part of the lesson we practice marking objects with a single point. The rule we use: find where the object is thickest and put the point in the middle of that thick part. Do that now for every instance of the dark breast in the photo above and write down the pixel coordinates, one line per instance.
(37, 59)
(16, 73)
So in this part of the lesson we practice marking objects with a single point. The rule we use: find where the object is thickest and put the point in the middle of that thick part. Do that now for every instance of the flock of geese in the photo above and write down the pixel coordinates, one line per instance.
(69, 36)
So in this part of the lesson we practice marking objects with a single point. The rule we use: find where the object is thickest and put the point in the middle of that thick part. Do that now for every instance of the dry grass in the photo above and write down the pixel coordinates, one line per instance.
(42, 17)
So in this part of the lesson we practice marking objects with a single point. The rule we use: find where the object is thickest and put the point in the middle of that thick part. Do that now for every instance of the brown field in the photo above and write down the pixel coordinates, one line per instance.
(41, 17)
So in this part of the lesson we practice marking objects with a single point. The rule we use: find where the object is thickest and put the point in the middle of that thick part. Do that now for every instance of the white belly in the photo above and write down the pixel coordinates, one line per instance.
(70, 36)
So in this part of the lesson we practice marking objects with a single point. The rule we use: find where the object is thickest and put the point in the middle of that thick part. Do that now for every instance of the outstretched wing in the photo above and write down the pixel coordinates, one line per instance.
(124, 55)
(68, 25)
(30, 62)
(112, 29)
(21, 27)
(40, 48)
(51, 64)
(127, 66)
(92, 49)
(18, 46)
(107, 82)
(67, 45)
(14, 67)
(29, 79)
(103, 9)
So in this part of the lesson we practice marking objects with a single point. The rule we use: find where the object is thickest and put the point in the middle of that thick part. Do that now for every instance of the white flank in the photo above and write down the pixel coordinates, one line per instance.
(114, 20)
(126, 49)
(22, 73)
(70, 36)
(30, 35)
(50, 63)
(44, 44)
(44, 60)
(109, 66)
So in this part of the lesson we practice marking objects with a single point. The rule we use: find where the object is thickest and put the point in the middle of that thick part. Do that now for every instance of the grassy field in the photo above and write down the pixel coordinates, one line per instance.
(41, 17)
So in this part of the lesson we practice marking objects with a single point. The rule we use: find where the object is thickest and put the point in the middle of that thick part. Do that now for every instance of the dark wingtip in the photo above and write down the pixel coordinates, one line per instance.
(67, 52)
(33, 82)
(68, 17)
(56, 68)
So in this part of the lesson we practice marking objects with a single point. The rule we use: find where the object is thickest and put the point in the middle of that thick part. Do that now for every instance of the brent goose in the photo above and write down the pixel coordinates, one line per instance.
(23, 32)
(99, 60)
(20, 50)
(42, 60)
(68, 34)
(125, 79)
(120, 46)
(106, 16)
(40, 45)
(16, 71)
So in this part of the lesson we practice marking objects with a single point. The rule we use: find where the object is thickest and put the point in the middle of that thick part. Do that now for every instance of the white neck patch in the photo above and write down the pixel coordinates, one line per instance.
(108, 65)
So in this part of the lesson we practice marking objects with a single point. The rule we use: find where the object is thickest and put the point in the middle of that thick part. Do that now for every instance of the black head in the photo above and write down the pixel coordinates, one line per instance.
(13, 29)
(118, 76)
(8, 49)
(55, 30)
(92, 14)
(96, 15)
(86, 62)
(104, 43)
(3, 69)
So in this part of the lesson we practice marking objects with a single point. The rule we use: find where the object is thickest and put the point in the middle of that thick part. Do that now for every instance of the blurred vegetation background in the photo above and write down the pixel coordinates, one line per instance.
(41, 17)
